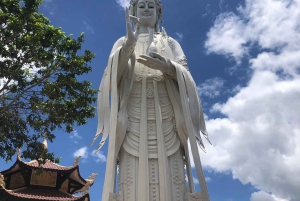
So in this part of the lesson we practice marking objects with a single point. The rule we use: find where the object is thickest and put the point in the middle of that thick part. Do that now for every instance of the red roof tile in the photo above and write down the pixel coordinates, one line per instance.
(47, 165)
(43, 194)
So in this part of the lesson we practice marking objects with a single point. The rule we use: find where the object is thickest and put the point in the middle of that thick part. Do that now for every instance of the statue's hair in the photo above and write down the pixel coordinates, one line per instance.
(159, 9)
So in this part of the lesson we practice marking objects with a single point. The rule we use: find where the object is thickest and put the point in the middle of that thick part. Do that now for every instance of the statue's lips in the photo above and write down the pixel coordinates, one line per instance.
(146, 15)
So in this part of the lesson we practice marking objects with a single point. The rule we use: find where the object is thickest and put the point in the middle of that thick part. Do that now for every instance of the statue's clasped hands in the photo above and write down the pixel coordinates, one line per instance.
(156, 62)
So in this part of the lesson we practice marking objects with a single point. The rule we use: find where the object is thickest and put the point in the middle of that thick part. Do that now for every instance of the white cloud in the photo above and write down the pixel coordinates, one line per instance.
(49, 6)
(287, 61)
(268, 23)
(221, 6)
(196, 181)
(179, 36)
(207, 10)
(74, 136)
(88, 28)
(211, 87)
(207, 179)
(99, 156)
(259, 141)
(263, 196)
(123, 3)
(83, 152)
(226, 37)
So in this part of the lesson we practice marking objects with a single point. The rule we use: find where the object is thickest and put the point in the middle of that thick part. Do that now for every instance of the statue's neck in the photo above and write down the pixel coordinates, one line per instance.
(145, 29)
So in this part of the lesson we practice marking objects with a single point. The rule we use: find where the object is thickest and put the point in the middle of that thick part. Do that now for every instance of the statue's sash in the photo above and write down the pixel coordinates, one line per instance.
(110, 178)
(192, 119)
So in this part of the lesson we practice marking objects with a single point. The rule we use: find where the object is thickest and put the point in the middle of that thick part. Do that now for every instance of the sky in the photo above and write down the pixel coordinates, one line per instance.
(245, 58)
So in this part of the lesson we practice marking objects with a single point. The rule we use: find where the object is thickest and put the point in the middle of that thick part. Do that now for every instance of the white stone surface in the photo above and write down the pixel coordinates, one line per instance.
(150, 118)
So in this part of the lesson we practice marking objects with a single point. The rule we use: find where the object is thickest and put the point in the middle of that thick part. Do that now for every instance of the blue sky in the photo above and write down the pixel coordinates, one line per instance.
(245, 58)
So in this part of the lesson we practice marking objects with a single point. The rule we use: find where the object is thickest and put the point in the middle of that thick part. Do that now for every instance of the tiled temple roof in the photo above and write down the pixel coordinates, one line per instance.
(44, 194)
(35, 165)
(48, 165)
(39, 192)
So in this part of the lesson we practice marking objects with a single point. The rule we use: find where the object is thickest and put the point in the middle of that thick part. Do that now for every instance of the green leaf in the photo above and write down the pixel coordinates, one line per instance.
(49, 98)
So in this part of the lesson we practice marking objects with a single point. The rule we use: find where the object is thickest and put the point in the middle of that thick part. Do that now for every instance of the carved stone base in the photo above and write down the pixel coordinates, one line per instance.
(194, 197)
(114, 197)
(189, 197)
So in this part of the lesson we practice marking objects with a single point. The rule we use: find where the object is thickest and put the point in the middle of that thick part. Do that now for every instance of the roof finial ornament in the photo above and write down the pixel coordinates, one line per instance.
(76, 162)
(19, 155)
(45, 141)
(2, 182)
(91, 178)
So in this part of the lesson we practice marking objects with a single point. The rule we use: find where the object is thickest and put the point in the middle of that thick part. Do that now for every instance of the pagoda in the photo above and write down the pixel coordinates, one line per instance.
(24, 182)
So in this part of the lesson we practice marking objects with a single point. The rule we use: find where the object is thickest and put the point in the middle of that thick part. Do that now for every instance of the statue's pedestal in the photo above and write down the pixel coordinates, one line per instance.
(189, 197)
(194, 197)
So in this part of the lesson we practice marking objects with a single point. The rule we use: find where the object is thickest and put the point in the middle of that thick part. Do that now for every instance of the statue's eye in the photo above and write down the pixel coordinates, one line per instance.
(151, 5)
(141, 5)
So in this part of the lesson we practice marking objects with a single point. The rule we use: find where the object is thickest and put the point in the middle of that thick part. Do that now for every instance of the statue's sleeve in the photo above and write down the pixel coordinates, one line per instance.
(111, 77)
(179, 56)
(176, 56)
(191, 109)
(188, 88)
(123, 59)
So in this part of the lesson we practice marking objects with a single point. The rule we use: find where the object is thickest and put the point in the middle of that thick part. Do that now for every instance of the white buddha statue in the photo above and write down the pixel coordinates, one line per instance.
(154, 109)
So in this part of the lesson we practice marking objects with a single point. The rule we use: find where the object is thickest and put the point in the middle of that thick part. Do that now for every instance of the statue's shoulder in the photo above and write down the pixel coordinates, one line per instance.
(118, 44)
(172, 43)
(164, 35)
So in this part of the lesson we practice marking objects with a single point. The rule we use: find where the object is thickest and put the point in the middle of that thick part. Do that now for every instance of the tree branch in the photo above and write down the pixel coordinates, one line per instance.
(4, 109)
(6, 84)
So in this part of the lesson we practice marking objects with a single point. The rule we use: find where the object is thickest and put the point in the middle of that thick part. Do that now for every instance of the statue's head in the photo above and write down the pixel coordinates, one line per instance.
(149, 11)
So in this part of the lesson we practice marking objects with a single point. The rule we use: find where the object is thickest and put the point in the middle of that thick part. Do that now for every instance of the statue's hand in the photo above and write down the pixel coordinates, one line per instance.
(131, 36)
(157, 62)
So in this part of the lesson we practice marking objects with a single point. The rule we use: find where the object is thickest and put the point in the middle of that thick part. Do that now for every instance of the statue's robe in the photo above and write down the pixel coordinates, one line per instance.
(152, 114)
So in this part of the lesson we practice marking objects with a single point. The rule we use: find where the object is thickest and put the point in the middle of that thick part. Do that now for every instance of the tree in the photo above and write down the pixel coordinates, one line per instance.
(40, 90)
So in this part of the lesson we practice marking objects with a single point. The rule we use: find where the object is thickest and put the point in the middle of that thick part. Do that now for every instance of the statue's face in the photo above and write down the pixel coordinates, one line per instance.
(146, 11)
